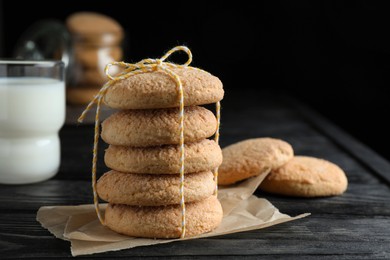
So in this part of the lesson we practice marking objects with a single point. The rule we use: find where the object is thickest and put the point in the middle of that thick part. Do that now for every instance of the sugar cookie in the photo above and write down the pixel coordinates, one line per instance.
(306, 177)
(97, 58)
(199, 156)
(80, 96)
(159, 90)
(150, 127)
(153, 189)
(92, 25)
(251, 158)
(164, 221)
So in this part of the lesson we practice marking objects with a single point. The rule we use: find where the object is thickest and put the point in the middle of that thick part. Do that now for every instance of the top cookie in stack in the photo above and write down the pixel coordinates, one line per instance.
(143, 187)
(158, 90)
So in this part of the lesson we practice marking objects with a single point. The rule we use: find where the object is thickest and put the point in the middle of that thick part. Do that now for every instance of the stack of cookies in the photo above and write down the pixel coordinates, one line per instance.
(143, 187)
(96, 41)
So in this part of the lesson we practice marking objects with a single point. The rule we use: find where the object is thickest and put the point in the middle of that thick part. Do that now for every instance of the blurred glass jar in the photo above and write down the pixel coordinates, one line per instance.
(96, 41)
(85, 43)
(46, 40)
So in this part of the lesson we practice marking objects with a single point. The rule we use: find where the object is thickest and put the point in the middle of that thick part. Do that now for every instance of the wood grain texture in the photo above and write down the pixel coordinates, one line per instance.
(355, 225)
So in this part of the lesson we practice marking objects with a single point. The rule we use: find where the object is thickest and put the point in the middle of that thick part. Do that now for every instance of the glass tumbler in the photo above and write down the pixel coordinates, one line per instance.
(32, 111)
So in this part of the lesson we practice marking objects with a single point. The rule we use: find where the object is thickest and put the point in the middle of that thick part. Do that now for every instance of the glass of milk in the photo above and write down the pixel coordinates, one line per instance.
(32, 111)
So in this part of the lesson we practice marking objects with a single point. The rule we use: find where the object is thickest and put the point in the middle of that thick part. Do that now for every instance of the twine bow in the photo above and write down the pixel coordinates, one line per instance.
(129, 70)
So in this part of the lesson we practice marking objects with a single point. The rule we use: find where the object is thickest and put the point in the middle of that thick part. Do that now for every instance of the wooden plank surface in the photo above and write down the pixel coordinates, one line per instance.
(353, 226)
(378, 165)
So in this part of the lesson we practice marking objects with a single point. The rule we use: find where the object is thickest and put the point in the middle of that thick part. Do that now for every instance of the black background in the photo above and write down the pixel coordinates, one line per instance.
(334, 55)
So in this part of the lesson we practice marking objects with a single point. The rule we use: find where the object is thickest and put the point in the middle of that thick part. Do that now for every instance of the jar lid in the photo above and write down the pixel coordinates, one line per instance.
(45, 40)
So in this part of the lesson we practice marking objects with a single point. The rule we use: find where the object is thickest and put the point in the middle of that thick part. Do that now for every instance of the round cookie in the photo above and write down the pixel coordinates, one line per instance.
(94, 28)
(158, 90)
(80, 95)
(92, 77)
(97, 58)
(251, 158)
(306, 177)
(199, 156)
(153, 189)
(164, 221)
(150, 127)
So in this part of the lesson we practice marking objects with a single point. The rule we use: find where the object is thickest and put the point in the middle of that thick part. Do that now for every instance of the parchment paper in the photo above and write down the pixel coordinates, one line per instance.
(79, 224)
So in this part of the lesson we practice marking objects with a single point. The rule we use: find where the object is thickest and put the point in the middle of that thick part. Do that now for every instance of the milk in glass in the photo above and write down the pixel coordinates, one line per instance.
(32, 110)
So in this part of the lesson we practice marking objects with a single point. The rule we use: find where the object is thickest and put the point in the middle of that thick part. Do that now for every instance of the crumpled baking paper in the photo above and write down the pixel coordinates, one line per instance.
(78, 224)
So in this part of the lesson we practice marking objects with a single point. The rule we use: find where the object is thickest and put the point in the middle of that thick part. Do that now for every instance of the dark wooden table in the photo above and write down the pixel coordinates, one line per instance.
(353, 226)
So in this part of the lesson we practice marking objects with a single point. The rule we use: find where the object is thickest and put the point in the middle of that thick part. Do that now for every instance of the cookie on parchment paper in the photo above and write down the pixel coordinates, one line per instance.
(164, 221)
(252, 157)
(306, 176)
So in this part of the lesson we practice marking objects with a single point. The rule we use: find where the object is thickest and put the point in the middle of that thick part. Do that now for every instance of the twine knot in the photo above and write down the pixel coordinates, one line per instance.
(131, 69)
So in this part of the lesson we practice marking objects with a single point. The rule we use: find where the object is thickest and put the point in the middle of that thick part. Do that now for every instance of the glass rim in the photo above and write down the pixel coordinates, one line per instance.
(45, 63)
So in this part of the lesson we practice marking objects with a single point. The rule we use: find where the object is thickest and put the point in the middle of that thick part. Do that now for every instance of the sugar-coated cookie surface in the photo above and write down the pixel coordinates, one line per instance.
(199, 156)
(306, 177)
(150, 127)
(153, 189)
(159, 90)
(251, 158)
(164, 221)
